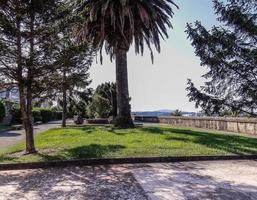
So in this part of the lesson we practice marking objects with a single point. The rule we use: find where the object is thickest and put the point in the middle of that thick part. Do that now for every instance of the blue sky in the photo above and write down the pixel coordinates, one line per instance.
(162, 85)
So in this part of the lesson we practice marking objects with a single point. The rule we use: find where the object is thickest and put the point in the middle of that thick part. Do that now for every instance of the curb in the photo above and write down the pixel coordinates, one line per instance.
(116, 161)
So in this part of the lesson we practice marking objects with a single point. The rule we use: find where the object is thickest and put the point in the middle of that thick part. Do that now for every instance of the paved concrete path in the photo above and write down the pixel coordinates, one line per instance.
(232, 180)
(9, 138)
(229, 180)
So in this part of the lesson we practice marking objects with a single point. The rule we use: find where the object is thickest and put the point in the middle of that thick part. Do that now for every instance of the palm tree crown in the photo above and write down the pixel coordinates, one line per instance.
(116, 24)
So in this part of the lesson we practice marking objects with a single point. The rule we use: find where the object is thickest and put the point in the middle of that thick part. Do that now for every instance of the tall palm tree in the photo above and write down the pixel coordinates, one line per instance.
(115, 25)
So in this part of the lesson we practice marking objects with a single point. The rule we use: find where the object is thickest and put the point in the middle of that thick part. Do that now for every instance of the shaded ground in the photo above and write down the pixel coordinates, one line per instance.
(94, 183)
(226, 180)
(9, 138)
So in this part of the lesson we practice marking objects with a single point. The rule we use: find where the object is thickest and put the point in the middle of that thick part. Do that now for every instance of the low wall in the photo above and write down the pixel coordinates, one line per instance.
(239, 125)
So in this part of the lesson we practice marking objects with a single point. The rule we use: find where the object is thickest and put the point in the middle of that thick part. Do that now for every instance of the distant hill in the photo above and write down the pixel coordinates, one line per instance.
(163, 112)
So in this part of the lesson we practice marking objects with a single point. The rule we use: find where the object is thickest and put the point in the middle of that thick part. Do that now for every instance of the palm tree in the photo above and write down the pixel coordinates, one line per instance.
(115, 25)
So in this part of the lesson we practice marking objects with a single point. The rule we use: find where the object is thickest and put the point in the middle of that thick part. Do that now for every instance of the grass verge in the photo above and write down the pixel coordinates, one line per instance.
(108, 142)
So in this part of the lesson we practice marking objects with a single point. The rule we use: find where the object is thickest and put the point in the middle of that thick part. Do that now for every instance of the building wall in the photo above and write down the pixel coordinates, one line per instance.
(239, 125)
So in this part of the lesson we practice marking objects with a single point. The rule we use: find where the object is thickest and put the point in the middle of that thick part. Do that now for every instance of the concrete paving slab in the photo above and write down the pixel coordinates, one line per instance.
(216, 180)
(75, 183)
(199, 180)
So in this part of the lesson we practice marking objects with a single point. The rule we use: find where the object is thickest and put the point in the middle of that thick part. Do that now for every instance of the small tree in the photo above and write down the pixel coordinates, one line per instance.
(108, 91)
(99, 108)
(72, 62)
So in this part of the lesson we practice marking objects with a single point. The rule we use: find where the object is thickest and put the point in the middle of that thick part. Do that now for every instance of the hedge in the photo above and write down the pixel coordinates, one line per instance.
(39, 114)
(2, 110)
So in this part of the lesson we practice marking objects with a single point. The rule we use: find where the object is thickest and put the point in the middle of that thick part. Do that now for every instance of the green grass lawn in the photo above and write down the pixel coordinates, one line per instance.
(108, 142)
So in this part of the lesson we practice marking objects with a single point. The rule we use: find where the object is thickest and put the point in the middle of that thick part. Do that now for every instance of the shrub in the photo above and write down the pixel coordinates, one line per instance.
(58, 115)
(16, 115)
(46, 114)
(2, 110)
(99, 108)
(37, 115)
(78, 120)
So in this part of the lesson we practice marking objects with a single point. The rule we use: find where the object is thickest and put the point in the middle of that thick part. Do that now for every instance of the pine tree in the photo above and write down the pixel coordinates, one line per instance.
(229, 52)
(72, 62)
(25, 48)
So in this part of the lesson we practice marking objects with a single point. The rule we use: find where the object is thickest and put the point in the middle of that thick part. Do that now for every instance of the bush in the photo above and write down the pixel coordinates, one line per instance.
(46, 114)
(2, 110)
(37, 115)
(78, 120)
(99, 108)
(58, 115)
(16, 115)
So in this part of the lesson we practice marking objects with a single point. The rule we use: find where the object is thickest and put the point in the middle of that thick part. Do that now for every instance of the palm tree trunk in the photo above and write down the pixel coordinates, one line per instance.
(123, 119)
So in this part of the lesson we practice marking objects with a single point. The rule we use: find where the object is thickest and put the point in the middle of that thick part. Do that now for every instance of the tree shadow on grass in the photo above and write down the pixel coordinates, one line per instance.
(83, 152)
(4, 158)
(155, 130)
(117, 131)
(86, 129)
(229, 143)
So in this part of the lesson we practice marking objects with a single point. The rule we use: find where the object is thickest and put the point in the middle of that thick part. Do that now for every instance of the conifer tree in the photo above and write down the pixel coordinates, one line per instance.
(26, 38)
(229, 52)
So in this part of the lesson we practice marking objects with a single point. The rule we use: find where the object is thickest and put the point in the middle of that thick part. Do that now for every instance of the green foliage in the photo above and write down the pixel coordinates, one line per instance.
(45, 114)
(108, 91)
(99, 108)
(118, 24)
(2, 110)
(16, 115)
(229, 54)
(56, 115)
(37, 115)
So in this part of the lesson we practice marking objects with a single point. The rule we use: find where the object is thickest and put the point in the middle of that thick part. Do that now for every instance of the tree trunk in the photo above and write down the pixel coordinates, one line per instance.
(25, 103)
(123, 119)
(64, 98)
(26, 110)
(64, 107)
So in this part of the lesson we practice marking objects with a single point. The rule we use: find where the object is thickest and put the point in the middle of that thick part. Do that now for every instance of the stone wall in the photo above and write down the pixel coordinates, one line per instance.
(239, 125)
